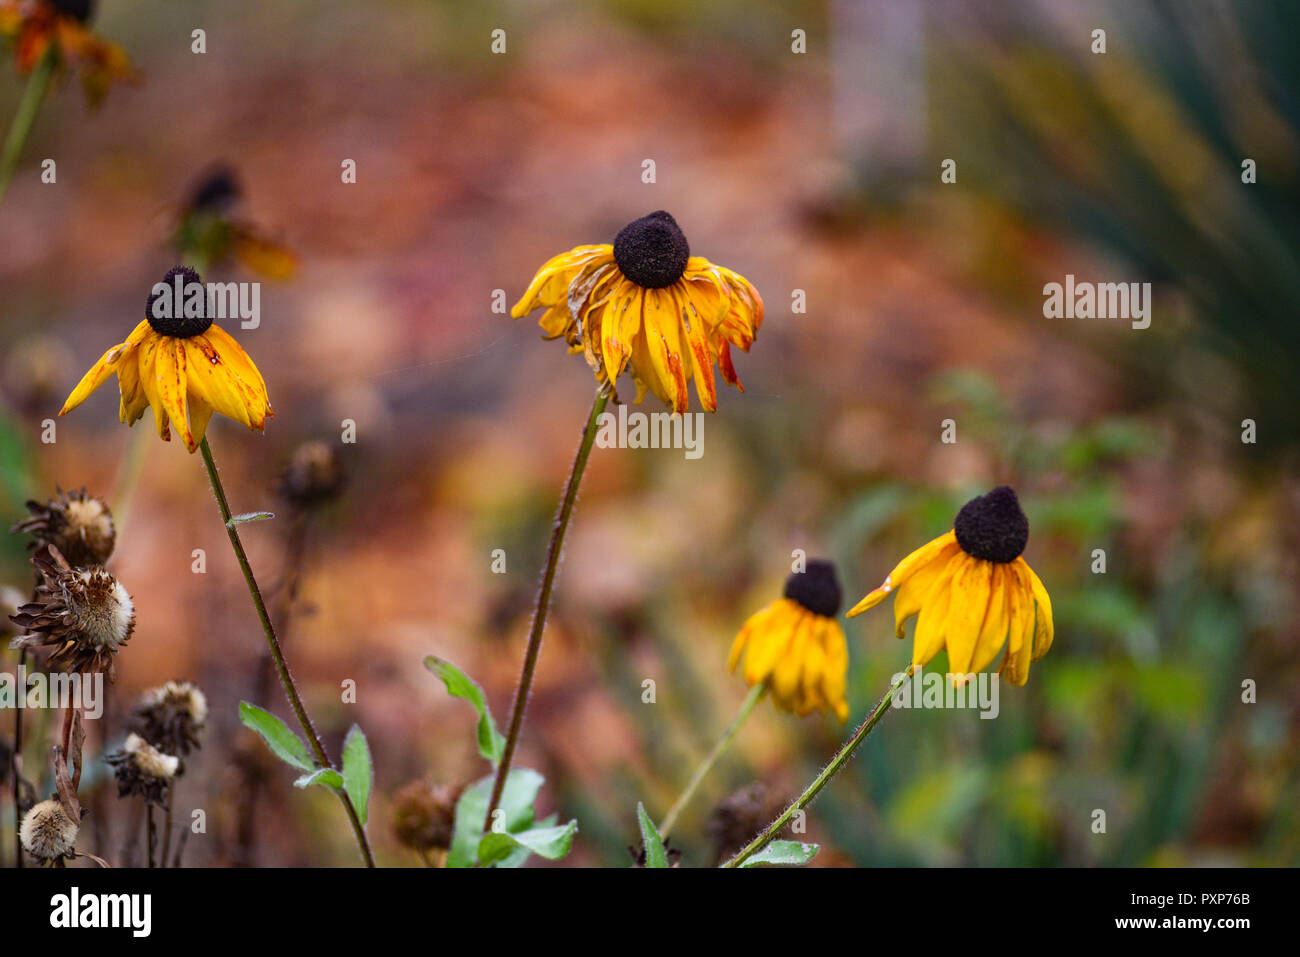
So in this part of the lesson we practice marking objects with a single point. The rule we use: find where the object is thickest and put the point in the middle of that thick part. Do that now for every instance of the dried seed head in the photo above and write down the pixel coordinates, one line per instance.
(423, 817)
(84, 614)
(313, 475)
(142, 769)
(172, 715)
(47, 833)
(740, 816)
(77, 524)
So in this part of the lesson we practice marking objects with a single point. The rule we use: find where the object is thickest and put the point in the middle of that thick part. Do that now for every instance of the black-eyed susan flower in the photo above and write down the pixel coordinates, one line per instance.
(38, 27)
(79, 525)
(796, 647)
(973, 593)
(181, 365)
(645, 304)
(82, 615)
(208, 231)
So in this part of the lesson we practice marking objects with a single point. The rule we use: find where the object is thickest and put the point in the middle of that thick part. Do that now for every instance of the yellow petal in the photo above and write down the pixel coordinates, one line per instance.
(211, 380)
(149, 384)
(970, 604)
(169, 372)
(243, 375)
(701, 356)
(903, 571)
(932, 623)
(993, 633)
(909, 596)
(108, 364)
(1043, 628)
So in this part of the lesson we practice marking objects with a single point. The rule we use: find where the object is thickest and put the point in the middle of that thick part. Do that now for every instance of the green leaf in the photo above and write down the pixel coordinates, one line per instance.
(326, 777)
(284, 744)
(491, 743)
(358, 771)
(515, 809)
(655, 856)
(551, 843)
(243, 518)
(786, 853)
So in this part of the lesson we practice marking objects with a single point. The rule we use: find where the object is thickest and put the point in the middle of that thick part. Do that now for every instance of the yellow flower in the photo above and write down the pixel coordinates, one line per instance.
(973, 593)
(646, 304)
(34, 26)
(797, 647)
(207, 231)
(182, 366)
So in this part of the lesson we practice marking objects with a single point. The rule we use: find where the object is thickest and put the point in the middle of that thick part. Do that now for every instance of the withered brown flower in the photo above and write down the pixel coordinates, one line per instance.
(143, 770)
(423, 816)
(83, 614)
(171, 716)
(76, 523)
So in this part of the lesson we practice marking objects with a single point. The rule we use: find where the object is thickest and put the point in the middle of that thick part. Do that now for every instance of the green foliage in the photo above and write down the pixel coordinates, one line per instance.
(491, 742)
(783, 854)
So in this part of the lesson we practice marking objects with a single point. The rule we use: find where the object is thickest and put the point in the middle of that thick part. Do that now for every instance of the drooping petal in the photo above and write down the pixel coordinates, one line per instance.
(108, 364)
(170, 374)
(932, 623)
(148, 351)
(993, 633)
(243, 375)
(211, 381)
(902, 571)
(970, 605)
(1043, 628)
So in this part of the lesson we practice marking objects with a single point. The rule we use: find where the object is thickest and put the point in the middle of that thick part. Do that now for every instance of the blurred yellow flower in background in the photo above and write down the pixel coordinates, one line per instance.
(797, 647)
(36, 27)
(182, 366)
(646, 304)
(972, 592)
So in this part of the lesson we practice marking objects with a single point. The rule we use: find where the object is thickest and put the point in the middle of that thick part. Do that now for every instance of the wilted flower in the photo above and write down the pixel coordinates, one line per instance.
(973, 592)
(142, 769)
(423, 817)
(77, 524)
(171, 716)
(47, 833)
(83, 614)
(797, 647)
(180, 365)
(207, 230)
(313, 475)
(36, 27)
(646, 304)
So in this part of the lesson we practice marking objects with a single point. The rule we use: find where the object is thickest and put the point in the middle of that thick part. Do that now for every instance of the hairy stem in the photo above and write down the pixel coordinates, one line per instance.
(273, 643)
(543, 605)
(841, 758)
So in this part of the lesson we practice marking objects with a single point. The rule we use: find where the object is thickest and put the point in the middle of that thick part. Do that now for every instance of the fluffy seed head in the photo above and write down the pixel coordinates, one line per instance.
(174, 322)
(78, 524)
(652, 251)
(817, 588)
(993, 526)
(172, 715)
(47, 832)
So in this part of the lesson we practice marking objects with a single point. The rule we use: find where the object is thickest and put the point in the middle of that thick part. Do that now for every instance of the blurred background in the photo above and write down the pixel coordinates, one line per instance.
(817, 172)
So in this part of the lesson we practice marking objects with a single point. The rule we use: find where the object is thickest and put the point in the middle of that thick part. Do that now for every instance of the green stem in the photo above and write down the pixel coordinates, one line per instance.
(28, 107)
(544, 600)
(810, 792)
(281, 666)
(16, 766)
(755, 695)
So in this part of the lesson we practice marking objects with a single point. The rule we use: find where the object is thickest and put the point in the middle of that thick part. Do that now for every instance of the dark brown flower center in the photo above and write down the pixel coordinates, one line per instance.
(816, 588)
(79, 10)
(652, 251)
(216, 189)
(178, 306)
(993, 527)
